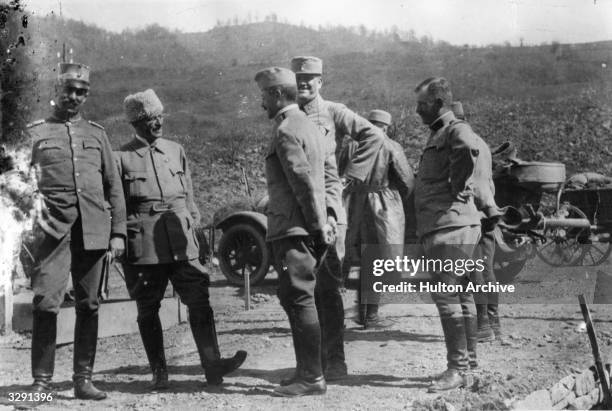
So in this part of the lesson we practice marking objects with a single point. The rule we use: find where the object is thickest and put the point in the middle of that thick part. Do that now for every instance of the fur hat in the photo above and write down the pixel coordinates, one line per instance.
(141, 105)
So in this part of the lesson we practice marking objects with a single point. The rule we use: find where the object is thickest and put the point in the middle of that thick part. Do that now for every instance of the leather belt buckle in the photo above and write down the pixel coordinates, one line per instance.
(160, 207)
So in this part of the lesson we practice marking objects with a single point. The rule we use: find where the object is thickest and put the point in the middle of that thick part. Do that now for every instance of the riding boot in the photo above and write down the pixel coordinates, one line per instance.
(333, 361)
(296, 347)
(153, 341)
(484, 332)
(456, 348)
(202, 322)
(44, 333)
(322, 314)
(471, 333)
(85, 341)
(310, 379)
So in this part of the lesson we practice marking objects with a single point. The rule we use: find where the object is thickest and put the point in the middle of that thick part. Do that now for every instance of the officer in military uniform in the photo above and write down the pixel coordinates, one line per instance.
(448, 220)
(297, 222)
(487, 304)
(376, 211)
(335, 121)
(162, 246)
(82, 209)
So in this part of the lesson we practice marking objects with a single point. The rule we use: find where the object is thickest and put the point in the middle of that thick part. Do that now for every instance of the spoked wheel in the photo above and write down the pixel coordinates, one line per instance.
(564, 246)
(243, 249)
(596, 253)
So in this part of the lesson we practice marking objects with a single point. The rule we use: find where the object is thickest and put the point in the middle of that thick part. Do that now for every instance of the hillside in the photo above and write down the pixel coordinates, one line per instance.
(553, 101)
(270, 42)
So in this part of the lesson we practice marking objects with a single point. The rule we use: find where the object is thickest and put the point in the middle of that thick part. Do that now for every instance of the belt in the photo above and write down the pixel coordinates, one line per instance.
(155, 208)
(365, 188)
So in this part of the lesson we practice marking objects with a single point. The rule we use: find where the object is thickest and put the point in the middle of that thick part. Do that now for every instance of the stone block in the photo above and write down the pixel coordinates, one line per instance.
(558, 392)
(581, 403)
(537, 400)
(565, 401)
(585, 382)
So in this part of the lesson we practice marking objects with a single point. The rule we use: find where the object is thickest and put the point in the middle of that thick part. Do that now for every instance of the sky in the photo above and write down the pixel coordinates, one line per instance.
(477, 22)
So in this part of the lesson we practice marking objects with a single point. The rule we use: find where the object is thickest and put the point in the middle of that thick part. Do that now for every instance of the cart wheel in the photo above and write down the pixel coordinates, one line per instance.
(596, 253)
(242, 249)
(564, 246)
(505, 271)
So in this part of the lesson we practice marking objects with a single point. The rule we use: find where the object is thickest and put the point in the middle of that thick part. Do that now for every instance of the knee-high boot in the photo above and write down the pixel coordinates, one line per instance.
(153, 341)
(44, 334)
(202, 322)
(456, 347)
(85, 341)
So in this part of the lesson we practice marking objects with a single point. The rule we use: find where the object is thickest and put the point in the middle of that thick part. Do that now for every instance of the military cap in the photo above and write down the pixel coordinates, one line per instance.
(307, 65)
(144, 104)
(74, 72)
(457, 109)
(381, 116)
(275, 76)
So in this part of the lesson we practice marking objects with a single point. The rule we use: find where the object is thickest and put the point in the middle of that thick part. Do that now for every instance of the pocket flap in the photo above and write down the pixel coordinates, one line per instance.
(48, 144)
(135, 175)
(91, 144)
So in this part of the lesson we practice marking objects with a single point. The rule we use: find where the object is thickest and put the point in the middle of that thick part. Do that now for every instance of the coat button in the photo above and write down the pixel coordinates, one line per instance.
(139, 274)
(75, 159)
(78, 190)
(146, 282)
(74, 145)
(77, 174)
(176, 257)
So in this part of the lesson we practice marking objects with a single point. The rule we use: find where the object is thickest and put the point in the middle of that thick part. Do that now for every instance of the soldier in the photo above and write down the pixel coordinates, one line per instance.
(297, 222)
(82, 209)
(487, 304)
(376, 209)
(335, 121)
(162, 217)
(448, 220)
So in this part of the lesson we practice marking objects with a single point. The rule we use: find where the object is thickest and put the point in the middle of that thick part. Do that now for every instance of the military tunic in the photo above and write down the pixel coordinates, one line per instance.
(448, 223)
(77, 177)
(161, 210)
(82, 206)
(296, 211)
(162, 216)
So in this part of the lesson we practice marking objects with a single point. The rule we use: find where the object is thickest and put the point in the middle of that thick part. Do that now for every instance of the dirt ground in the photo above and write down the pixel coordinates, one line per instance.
(389, 369)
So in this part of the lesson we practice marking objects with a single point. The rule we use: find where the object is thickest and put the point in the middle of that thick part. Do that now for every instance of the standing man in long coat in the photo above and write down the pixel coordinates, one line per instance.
(82, 216)
(162, 246)
(376, 209)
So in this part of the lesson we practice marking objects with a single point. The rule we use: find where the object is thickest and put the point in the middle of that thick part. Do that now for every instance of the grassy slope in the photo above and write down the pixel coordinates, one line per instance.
(553, 101)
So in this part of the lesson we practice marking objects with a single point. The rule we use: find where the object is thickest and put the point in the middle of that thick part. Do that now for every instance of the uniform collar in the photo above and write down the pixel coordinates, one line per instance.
(442, 121)
(282, 113)
(313, 105)
(141, 146)
(54, 118)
